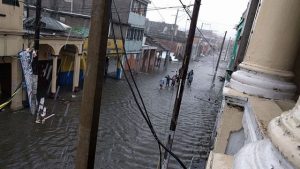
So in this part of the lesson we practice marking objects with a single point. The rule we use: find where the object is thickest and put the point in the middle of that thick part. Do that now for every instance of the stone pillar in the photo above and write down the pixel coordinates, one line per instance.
(16, 79)
(54, 76)
(267, 68)
(76, 73)
(284, 132)
(280, 151)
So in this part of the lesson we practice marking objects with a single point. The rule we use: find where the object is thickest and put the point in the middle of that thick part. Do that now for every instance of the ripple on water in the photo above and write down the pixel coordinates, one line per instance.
(124, 140)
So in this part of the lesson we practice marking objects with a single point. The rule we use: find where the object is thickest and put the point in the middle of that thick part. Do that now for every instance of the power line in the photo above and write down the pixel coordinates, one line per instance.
(158, 12)
(188, 13)
(144, 114)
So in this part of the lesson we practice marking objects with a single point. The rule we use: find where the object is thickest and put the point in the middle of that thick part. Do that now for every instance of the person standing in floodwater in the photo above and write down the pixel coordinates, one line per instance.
(168, 80)
(173, 81)
(161, 83)
(190, 77)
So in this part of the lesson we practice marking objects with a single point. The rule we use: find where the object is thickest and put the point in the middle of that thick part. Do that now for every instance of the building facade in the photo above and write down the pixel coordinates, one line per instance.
(76, 13)
(168, 35)
(11, 42)
(57, 46)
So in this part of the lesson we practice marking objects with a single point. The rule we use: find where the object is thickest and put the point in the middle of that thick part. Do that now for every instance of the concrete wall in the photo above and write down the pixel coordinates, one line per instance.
(123, 7)
(136, 20)
(10, 45)
(11, 13)
(133, 46)
(83, 7)
(117, 31)
(79, 6)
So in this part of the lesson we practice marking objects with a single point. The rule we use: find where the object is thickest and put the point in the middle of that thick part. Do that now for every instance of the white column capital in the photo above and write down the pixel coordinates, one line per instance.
(284, 132)
(260, 155)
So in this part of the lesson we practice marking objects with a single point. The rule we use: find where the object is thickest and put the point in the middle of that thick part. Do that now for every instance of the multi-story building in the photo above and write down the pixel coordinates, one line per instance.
(133, 17)
(11, 42)
(76, 13)
(56, 45)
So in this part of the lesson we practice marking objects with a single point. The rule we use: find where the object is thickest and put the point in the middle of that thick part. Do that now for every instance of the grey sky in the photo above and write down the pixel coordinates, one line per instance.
(219, 15)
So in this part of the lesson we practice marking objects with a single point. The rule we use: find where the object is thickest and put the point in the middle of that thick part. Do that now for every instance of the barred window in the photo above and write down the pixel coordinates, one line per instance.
(11, 2)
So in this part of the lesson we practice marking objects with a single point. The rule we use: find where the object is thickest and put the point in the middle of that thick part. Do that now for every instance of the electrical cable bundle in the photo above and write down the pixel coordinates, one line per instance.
(143, 112)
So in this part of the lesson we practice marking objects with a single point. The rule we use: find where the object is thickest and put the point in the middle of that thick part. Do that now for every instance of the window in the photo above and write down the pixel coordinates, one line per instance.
(135, 6)
(139, 7)
(142, 35)
(128, 33)
(11, 2)
(143, 9)
(135, 34)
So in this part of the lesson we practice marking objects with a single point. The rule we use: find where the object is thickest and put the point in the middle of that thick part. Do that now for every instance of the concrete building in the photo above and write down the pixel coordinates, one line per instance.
(258, 126)
(56, 46)
(60, 55)
(152, 52)
(11, 42)
(133, 23)
(76, 13)
(162, 32)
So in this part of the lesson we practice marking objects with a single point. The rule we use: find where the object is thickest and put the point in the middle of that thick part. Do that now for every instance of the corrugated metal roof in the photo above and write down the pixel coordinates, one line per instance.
(47, 23)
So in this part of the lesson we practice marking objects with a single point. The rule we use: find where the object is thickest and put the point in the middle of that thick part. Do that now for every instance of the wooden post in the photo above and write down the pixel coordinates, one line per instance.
(179, 93)
(92, 90)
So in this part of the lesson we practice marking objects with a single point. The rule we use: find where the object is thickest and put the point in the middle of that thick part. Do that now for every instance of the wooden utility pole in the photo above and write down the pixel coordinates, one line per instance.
(93, 82)
(172, 40)
(37, 34)
(180, 89)
(218, 62)
(35, 67)
(199, 41)
(247, 31)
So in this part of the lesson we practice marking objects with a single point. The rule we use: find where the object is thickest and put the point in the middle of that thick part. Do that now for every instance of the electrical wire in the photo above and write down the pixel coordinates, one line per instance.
(199, 30)
(159, 12)
(144, 114)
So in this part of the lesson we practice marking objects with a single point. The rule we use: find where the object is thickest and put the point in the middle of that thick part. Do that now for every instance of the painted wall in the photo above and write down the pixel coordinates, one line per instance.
(133, 46)
(136, 20)
(11, 13)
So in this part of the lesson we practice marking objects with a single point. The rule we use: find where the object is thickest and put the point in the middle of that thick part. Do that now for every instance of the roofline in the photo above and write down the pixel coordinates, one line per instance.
(61, 12)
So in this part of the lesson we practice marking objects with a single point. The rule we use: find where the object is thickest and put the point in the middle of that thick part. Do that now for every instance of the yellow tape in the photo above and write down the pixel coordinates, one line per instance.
(11, 98)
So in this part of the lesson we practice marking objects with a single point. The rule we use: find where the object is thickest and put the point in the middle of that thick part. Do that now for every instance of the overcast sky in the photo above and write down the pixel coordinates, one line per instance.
(219, 15)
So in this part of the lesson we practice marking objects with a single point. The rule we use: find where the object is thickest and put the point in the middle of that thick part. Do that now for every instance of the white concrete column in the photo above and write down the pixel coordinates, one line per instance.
(284, 132)
(54, 75)
(76, 72)
(267, 68)
(280, 151)
(260, 155)
(16, 79)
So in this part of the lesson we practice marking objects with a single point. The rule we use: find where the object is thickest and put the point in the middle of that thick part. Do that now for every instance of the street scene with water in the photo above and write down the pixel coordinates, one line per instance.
(149, 84)
(124, 140)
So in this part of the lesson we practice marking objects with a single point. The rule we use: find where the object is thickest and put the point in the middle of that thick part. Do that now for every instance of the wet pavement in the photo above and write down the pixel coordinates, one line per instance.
(124, 140)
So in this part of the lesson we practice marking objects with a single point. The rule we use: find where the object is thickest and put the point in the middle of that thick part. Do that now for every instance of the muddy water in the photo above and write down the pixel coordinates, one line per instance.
(124, 140)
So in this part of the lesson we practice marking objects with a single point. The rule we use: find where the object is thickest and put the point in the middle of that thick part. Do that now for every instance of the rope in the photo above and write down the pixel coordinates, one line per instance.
(11, 98)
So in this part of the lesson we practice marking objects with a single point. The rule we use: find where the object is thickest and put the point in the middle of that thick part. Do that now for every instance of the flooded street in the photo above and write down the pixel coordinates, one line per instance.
(124, 139)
